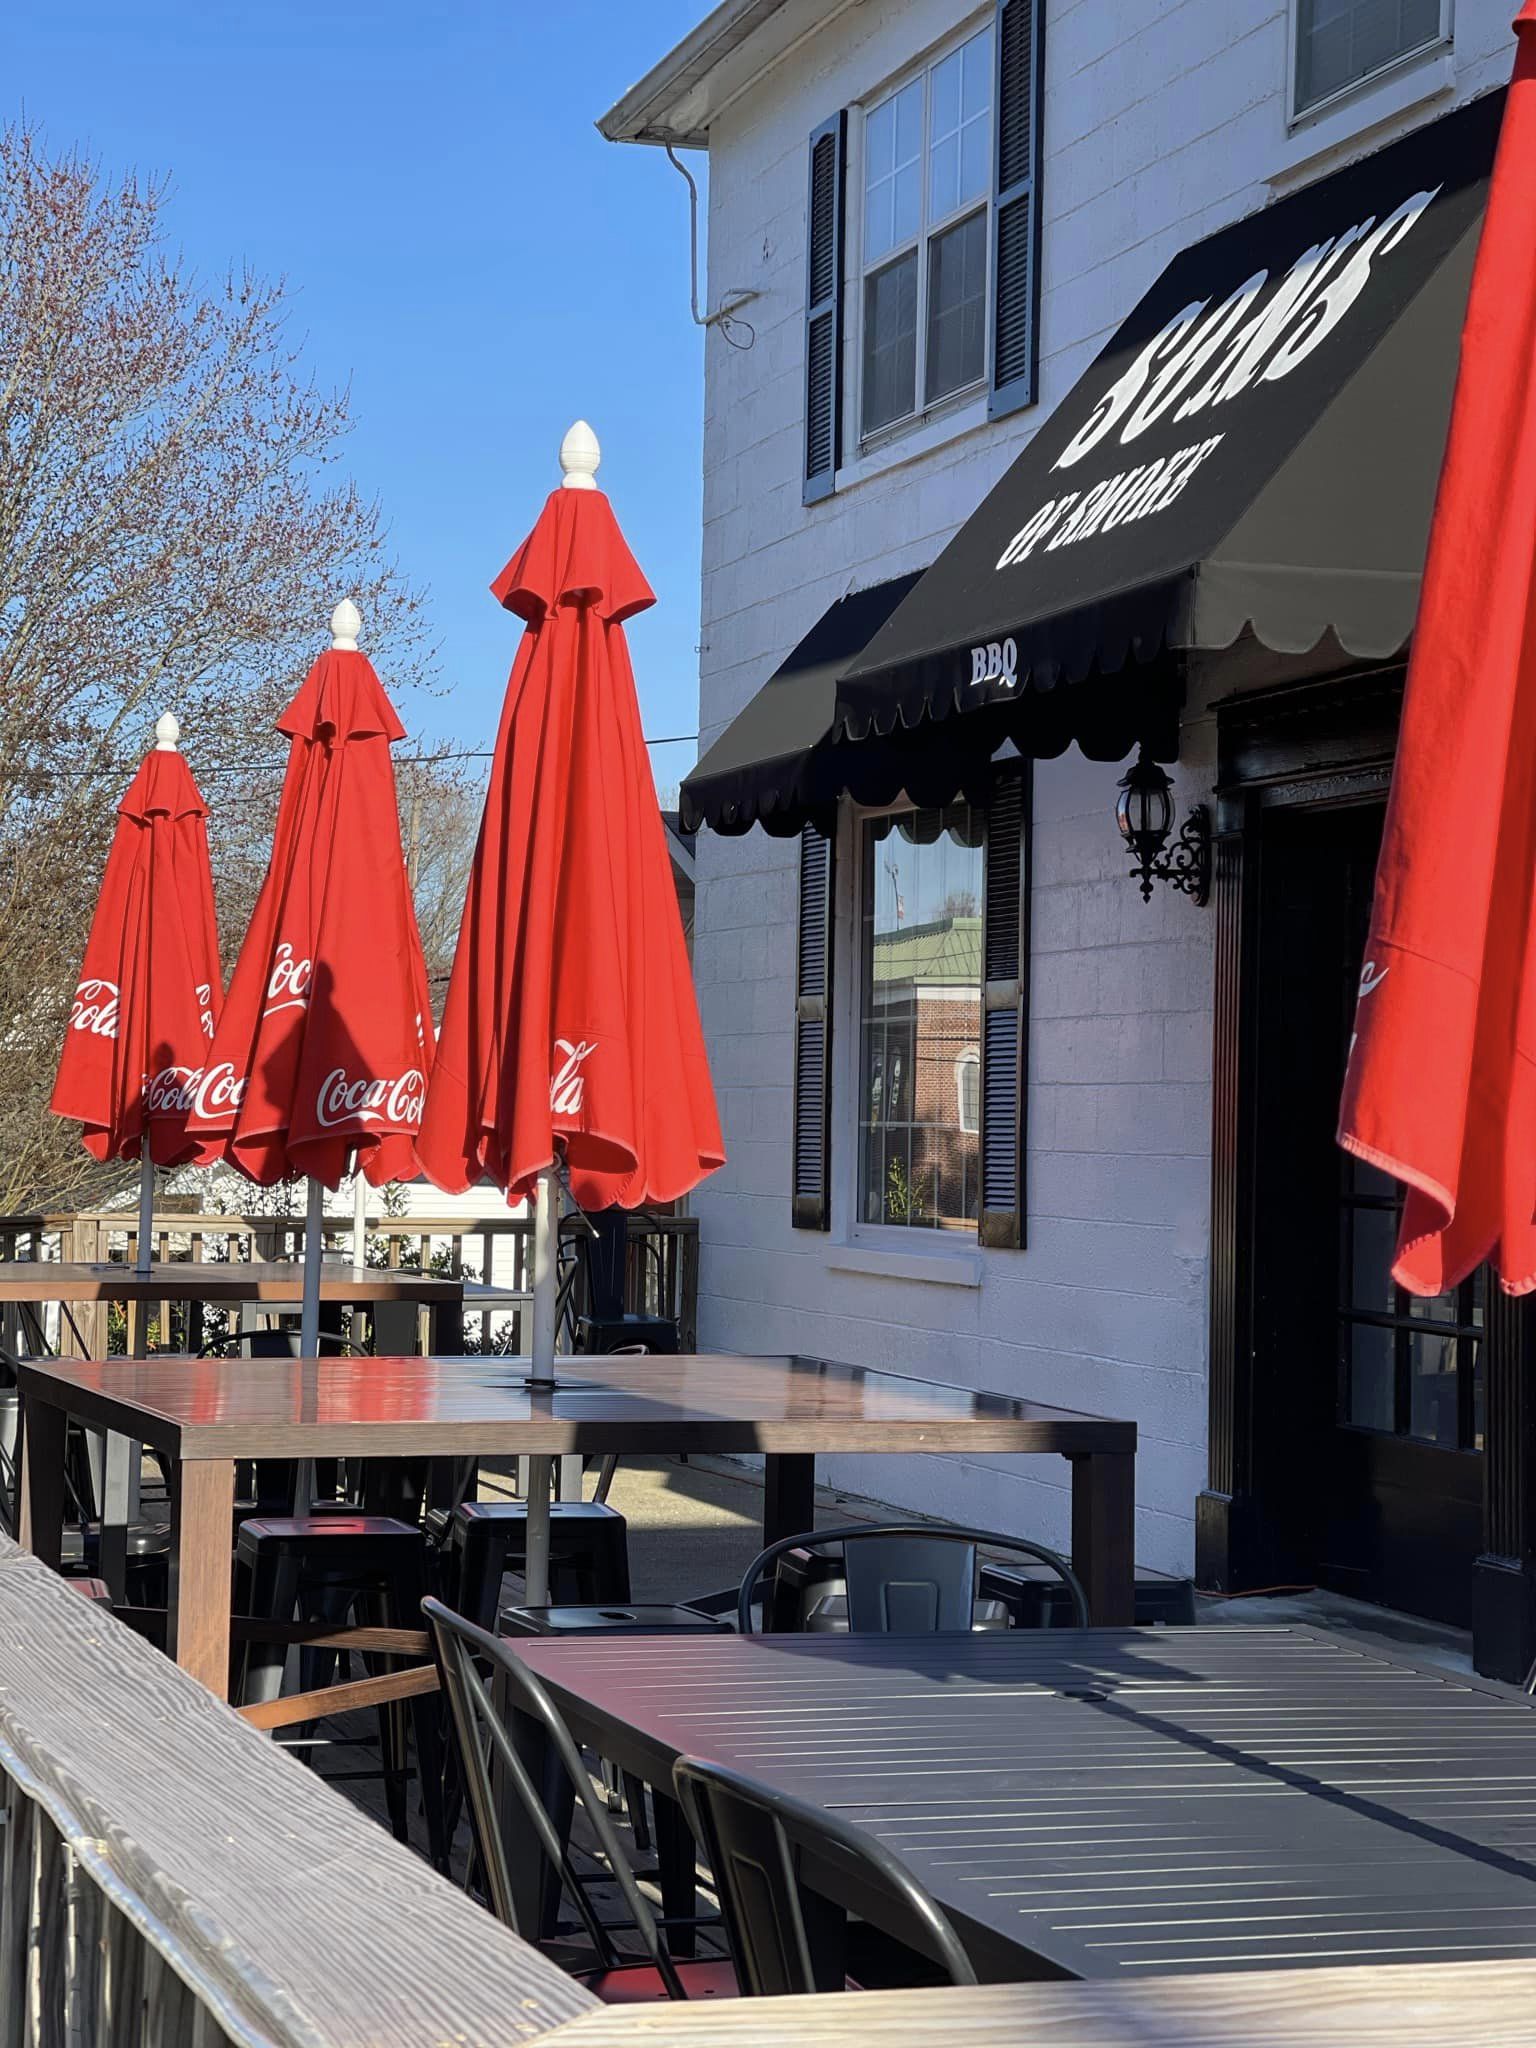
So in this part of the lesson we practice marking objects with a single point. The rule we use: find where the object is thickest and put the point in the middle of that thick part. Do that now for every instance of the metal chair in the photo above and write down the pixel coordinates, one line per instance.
(909, 1578)
(753, 1836)
(480, 1733)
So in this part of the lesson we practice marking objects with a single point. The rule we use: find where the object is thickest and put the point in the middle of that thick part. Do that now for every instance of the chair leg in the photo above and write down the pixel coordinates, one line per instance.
(274, 1595)
(378, 1609)
(405, 1597)
(634, 1802)
(605, 1472)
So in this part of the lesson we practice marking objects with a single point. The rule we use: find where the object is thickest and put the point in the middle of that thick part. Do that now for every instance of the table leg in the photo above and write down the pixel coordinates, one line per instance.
(677, 1870)
(117, 1508)
(42, 1480)
(200, 1570)
(789, 1495)
(1104, 1534)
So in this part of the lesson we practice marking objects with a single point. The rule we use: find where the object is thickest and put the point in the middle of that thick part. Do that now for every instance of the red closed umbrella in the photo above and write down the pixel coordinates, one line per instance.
(571, 1024)
(149, 989)
(571, 1029)
(1441, 1087)
(325, 1043)
(321, 1058)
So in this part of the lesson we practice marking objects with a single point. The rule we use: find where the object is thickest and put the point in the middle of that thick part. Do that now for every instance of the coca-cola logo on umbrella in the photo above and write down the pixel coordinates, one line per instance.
(569, 1083)
(288, 987)
(94, 1008)
(206, 1091)
(367, 1099)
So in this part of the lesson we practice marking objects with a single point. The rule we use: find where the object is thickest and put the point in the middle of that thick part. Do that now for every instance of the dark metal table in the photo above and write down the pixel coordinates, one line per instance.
(205, 1414)
(1121, 1802)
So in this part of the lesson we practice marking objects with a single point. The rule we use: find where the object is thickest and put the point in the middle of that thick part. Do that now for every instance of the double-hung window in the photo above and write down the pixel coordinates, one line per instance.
(1340, 44)
(919, 1009)
(925, 242)
(930, 1110)
(922, 233)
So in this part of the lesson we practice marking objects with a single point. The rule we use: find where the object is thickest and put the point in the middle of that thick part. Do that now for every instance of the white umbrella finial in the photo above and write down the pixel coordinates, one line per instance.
(346, 624)
(579, 457)
(167, 732)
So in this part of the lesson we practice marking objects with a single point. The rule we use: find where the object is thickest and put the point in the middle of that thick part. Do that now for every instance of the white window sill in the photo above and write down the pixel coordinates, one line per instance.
(943, 1269)
(910, 443)
(1429, 76)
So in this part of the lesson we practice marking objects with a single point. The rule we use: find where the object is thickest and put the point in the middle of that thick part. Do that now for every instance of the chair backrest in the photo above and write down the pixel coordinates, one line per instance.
(753, 1837)
(907, 1577)
(470, 1659)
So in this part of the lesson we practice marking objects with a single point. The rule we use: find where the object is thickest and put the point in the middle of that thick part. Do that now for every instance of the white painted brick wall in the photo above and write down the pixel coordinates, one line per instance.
(1162, 123)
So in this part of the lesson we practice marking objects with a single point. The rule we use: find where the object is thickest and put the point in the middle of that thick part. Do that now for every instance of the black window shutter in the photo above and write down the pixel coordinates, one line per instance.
(1005, 1006)
(1019, 98)
(813, 1036)
(825, 209)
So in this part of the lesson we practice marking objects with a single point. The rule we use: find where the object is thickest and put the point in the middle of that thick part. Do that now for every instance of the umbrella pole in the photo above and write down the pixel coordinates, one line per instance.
(546, 1243)
(359, 1214)
(314, 1252)
(146, 1212)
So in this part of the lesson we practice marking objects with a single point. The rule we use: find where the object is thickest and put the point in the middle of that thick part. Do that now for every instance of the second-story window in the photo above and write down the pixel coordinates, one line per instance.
(927, 158)
(1342, 43)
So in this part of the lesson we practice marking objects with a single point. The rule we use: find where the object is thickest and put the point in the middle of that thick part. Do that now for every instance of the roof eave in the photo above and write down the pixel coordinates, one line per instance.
(674, 101)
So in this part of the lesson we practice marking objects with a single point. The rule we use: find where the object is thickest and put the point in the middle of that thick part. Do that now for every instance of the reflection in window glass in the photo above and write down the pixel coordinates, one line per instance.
(957, 306)
(920, 1018)
(890, 341)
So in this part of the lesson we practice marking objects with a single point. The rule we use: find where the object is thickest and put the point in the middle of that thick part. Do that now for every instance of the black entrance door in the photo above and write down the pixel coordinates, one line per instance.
(1370, 1402)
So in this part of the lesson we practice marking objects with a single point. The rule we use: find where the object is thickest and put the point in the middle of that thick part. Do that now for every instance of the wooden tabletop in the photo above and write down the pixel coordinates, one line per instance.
(190, 1280)
(481, 1406)
(1468, 2005)
(1119, 1803)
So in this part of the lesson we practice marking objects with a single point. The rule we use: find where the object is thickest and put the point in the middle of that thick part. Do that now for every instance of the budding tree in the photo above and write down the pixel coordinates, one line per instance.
(175, 526)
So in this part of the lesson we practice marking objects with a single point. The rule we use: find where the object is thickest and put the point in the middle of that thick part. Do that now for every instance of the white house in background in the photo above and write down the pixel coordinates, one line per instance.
(925, 222)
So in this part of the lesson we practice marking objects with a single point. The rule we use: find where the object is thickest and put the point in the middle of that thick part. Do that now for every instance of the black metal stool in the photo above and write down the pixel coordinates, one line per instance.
(588, 1553)
(325, 1567)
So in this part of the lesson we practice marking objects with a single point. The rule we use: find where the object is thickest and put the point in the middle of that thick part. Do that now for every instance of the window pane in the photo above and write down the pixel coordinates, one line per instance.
(1372, 1373)
(909, 123)
(977, 93)
(893, 148)
(890, 342)
(944, 175)
(1432, 1412)
(1370, 1249)
(957, 306)
(1339, 42)
(920, 1018)
(945, 90)
(960, 127)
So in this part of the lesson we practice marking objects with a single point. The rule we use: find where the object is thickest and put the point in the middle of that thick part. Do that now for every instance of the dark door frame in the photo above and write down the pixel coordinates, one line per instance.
(1324, 742)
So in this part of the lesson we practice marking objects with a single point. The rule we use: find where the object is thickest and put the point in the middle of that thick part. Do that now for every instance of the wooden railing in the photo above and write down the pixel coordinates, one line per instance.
(256, 1906)
(662, 1276)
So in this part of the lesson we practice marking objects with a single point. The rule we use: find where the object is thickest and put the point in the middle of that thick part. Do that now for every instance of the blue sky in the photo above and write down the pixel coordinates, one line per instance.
(462, 246)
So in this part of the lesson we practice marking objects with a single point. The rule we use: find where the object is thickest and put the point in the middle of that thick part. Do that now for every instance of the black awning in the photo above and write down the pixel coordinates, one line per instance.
(764, 768)
(1256, 450)
(780, 762)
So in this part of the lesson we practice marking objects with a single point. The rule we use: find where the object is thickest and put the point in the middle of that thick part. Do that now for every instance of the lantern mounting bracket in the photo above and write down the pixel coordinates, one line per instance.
(1144, 814)
(1187, 866)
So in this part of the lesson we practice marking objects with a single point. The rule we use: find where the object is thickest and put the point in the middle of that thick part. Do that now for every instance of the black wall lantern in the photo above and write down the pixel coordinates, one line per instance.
(1144, 814)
